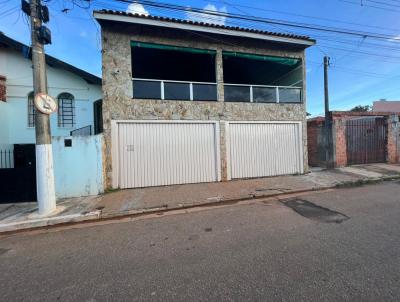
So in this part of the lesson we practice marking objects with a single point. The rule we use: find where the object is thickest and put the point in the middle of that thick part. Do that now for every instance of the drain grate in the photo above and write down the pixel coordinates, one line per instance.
(315, 212)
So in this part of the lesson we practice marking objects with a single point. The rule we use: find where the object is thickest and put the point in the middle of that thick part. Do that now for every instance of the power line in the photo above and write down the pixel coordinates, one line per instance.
(312, 27)
(302, 16)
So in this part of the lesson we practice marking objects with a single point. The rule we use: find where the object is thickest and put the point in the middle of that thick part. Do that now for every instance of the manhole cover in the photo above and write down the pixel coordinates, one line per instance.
(314, 212)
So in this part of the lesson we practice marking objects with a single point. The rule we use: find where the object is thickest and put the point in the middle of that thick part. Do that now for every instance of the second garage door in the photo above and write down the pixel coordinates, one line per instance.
(166, 153)
(258, 149)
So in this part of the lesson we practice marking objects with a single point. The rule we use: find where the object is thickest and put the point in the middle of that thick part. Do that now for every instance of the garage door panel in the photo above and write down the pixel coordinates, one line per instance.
(264, 149)
(155, 154)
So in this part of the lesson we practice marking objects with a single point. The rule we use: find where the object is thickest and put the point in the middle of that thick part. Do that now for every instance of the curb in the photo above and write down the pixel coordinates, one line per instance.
(97, 216)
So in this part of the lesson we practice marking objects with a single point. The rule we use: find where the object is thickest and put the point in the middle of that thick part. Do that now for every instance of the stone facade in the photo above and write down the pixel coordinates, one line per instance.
(118, 103)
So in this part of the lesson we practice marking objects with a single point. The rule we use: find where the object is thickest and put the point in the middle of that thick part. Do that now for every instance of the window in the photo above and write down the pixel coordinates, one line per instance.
(31, 110)
(66, 110)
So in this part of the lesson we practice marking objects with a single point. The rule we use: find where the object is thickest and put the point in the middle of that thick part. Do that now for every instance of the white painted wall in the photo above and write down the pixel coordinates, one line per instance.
(14, 113)
(78, 169)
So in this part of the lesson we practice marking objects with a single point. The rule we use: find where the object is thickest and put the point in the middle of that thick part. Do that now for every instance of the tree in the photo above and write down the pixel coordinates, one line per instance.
(361, 108)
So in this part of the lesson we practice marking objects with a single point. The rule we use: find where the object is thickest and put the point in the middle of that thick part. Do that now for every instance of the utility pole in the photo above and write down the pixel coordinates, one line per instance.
(44, 154)
(328, 122)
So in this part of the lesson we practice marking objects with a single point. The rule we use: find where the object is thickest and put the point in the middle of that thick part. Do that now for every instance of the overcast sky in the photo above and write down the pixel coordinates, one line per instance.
(363, 70)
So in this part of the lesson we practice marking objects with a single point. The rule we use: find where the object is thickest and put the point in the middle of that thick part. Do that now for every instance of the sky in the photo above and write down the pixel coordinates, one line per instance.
(362, 69)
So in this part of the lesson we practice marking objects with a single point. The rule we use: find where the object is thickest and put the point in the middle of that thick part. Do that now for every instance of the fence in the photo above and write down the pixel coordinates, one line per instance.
(6, 159)
(204, 91)
(84, 131)
(262, 93)
(174, 90)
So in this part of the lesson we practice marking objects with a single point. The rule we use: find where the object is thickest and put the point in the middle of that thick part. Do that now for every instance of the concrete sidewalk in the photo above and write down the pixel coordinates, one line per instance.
(21, 216)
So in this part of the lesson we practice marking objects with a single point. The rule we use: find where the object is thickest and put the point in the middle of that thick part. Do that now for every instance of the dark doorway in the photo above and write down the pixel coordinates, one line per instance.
(18, 182)
(366, 140)
(98, 116)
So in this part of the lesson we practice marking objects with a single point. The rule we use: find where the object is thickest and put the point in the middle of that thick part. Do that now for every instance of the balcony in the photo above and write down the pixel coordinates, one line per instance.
(203, 91)
(262, 93)
(174, 90)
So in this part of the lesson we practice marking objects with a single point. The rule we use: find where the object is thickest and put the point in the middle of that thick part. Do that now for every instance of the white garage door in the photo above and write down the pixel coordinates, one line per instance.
(166, 153)
(264, 149)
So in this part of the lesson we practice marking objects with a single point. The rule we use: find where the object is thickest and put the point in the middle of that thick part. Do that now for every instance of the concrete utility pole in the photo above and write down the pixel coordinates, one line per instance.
(328, 122)
(44, 154)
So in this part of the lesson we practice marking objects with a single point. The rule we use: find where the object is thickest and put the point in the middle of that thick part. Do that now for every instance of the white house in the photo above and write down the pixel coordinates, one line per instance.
(75, 90)
(77, 153)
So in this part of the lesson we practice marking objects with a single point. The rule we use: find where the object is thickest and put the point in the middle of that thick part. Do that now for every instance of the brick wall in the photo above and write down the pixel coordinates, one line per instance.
(392, 140)
(3, 90)
(339, 140)
(315, 143)
(315, 137)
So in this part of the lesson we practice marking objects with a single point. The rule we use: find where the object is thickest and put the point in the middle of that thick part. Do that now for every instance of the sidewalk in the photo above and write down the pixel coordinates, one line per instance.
(20, 216)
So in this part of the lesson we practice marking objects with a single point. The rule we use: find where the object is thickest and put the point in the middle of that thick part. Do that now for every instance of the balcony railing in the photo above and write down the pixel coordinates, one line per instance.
(205, 91)
(84, 131)
(174, 90)
(262, 93)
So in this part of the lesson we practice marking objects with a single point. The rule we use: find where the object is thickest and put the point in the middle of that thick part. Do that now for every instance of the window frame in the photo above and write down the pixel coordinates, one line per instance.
(31, 110)
(62, 108)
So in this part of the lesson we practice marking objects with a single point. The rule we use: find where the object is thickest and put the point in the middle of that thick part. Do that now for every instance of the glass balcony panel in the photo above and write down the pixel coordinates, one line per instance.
(237, 93)
(146, 89)
(176, 91)
(204, 92)
(264, 95)
(289, 95)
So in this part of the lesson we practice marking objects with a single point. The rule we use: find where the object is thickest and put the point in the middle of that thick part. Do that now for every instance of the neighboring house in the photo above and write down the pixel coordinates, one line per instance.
(189, 102)
(357, 138)
(77, 159)
(75, 91)
(386, 106)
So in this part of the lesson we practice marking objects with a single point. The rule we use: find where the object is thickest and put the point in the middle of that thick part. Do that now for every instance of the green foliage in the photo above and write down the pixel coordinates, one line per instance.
(361, 108)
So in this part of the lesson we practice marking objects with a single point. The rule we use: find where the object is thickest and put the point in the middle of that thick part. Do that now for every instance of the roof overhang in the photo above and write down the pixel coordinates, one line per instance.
(26, 51)
(199, 28)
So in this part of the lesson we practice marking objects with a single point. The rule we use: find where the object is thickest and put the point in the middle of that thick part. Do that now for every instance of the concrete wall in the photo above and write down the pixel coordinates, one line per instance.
(19, 84)
(117, 87)
(78, 170)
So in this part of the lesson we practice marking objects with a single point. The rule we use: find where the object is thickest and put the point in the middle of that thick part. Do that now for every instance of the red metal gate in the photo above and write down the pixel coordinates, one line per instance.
(366, 140)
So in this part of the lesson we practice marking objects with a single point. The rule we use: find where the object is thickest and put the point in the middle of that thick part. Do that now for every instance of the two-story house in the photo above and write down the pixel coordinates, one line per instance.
(189, 102)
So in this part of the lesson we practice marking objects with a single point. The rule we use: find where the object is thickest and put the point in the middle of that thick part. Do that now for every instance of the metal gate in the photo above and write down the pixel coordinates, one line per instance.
(18, 174)
(258, 149)
(366, 140)
(157, 153)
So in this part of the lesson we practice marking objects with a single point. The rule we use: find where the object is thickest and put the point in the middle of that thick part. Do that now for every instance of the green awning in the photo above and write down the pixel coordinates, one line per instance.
(279, 60)
(170, 47)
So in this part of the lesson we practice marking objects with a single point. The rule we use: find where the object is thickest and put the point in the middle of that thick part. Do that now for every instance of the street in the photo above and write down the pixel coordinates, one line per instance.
(264, 250)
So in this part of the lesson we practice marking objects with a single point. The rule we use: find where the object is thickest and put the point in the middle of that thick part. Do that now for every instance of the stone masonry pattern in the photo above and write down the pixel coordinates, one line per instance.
(118, 103)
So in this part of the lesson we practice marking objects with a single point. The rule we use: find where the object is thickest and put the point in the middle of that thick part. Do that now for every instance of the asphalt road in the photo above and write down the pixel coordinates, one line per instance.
(262, 251)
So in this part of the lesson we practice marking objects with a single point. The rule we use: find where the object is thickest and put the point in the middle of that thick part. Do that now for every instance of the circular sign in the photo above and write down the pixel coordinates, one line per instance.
(45, 103)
